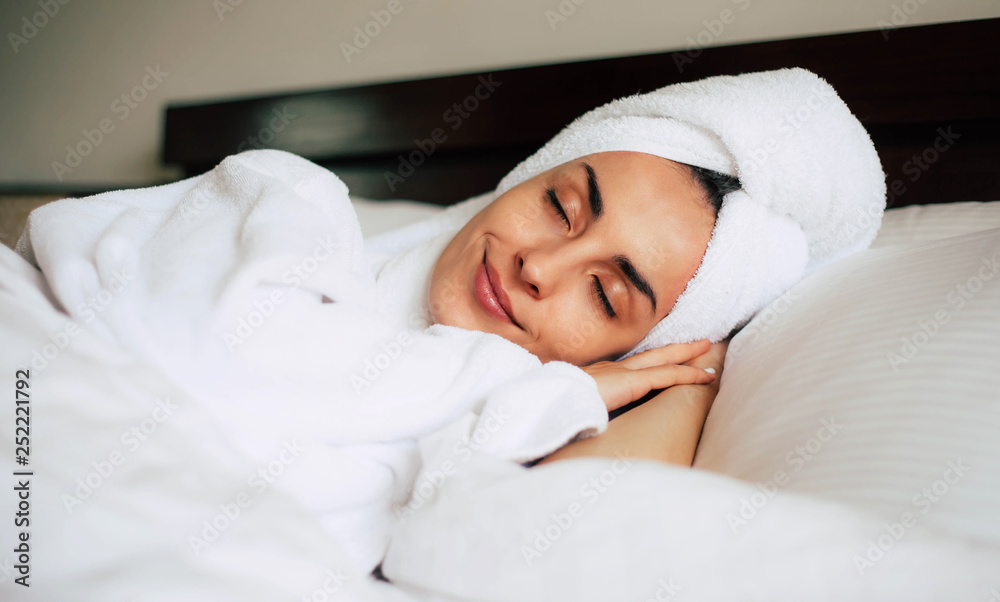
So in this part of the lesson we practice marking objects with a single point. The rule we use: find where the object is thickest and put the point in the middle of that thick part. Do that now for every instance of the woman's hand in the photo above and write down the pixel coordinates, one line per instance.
(667, 427)
(714, 358)
(622, 382)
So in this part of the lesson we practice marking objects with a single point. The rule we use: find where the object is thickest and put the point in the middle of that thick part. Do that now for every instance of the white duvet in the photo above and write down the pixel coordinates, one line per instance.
(249, 292)
(205, 426)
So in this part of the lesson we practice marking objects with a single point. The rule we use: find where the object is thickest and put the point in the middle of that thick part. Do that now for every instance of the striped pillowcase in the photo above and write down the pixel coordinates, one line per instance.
(924, 223)
(875, 382)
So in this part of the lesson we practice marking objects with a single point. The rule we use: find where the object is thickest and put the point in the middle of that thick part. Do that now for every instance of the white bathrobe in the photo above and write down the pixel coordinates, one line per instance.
(250, 287)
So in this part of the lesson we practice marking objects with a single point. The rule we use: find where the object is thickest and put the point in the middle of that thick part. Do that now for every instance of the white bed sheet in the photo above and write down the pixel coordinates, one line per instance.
(648, 536)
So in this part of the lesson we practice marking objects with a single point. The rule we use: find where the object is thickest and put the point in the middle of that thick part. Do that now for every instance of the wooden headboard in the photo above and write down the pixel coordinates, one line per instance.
(929, 96)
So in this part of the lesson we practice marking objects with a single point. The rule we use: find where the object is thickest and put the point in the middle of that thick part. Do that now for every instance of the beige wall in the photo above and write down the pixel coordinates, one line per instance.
(71, 74)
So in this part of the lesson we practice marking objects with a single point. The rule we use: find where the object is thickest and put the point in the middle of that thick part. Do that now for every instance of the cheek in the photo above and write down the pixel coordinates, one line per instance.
(576, 334)
(446, 293)
(517, 217)
(448, 296)
(572, 332)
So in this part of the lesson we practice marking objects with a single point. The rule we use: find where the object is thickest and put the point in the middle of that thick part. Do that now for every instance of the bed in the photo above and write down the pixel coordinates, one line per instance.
(852, 453)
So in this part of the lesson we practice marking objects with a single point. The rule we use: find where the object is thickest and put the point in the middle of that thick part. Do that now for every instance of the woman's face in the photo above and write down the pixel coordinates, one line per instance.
(580, 262)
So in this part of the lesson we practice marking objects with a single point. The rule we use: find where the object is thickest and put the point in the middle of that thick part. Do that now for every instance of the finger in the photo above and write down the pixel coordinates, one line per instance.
(676, 353)
(716, 352)
(661, 377)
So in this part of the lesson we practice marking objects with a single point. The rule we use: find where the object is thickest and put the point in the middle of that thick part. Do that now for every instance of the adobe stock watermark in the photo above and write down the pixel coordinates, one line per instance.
(196, 202)
(578, 337)
(561, 522)
(377, 363)
(374, 366)
(423, 316)
(42, 356)
(454, 116)
(229, 512)
(122, 107)
(104, 468)
(796, 460)
(899, 16)
(430, 481)
(364, 35)
(562, 13)
(863, 219)
(39, 19)
(7, 570)
(267, 134)
(332, 584)
(956, 299)
(294, 277)
(526, 220)
(764, 318)
(527, 215)
(918, 164)
(923, 501)
(707, 36)
(791, 122)
(666, 591)
(224, 7)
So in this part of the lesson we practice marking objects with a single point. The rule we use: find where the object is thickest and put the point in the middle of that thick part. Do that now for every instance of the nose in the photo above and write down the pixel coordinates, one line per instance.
(542, 269)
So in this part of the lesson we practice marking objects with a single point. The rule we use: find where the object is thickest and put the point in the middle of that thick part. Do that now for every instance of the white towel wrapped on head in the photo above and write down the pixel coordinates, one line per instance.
(812, 192)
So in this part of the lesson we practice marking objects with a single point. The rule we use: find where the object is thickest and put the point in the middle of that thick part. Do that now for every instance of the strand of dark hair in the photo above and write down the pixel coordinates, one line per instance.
(716, 185)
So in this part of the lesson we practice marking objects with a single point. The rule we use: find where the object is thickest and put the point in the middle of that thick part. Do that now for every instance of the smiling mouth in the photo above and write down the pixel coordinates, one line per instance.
(490, 296)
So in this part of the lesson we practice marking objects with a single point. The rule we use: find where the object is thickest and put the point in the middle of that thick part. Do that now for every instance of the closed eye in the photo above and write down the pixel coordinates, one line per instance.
(598, 288)
(554, 200)
(599, 291)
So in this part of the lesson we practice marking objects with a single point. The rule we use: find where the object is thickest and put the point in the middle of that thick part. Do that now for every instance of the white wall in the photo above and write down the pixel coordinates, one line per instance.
(67, 77)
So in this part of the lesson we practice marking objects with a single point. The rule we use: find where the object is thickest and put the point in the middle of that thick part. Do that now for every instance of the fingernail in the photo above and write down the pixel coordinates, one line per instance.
(710, 370)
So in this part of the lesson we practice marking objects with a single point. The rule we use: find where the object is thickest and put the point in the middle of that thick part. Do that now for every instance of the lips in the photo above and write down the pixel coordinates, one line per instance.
(490, 294)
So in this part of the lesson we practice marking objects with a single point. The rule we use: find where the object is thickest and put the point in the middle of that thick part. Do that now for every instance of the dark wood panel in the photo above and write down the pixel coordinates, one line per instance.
(947, 162)
(466, 131)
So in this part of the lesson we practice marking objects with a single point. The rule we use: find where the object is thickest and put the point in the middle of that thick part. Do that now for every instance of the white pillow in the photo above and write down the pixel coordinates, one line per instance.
(924, 223)
(894, 496)
(377, 217)
(598, 529)
(875, 382)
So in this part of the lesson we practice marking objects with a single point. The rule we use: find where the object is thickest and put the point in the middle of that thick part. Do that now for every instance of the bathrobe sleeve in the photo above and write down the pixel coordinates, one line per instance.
(516, 407)
(524, 419)
(534, 415)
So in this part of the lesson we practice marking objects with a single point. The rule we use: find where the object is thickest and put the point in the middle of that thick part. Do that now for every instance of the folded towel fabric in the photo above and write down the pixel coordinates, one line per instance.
(812, 192)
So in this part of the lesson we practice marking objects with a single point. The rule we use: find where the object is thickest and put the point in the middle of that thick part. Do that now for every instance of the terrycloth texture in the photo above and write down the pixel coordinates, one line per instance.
(403, 261)
(813, 188)
(249, 288)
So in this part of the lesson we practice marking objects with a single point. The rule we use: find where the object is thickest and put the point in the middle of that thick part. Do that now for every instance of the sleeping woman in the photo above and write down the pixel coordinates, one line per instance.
(616, 239)
(613, 262)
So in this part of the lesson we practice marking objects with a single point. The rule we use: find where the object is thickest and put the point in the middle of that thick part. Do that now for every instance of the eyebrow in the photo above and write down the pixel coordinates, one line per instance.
(594, 193)
(623, 262)
(636, 278)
